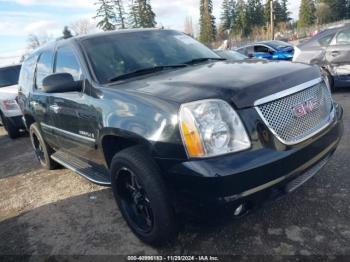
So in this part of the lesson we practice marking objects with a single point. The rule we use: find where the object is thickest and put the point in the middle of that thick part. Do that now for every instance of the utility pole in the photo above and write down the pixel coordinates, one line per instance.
(272, 21)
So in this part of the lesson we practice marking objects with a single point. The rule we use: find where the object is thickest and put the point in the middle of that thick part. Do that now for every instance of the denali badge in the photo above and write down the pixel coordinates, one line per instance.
(305, 108)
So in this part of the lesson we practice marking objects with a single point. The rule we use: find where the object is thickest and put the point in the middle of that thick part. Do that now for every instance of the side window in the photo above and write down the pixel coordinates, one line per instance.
(326, 40)
(66, 62)
(343, 37)
(44, 68)
(26, 78)
(261, 49)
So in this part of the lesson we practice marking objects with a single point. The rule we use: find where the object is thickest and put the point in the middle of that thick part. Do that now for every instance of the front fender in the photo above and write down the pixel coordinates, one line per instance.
(146, 119)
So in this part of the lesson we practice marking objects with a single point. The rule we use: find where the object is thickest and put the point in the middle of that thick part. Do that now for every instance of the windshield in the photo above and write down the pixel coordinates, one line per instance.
(118, 54)
(231, 55)
(279, 45)
(9, 76)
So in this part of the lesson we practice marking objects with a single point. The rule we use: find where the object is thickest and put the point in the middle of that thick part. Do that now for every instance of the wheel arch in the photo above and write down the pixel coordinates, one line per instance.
(113, 141)
(28, 120)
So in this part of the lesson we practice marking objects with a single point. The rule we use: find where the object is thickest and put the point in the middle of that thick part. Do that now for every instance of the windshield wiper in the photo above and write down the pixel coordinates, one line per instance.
(145, 71)
(200, 60)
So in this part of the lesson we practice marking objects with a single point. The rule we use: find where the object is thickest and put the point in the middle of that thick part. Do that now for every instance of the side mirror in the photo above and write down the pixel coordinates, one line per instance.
(250, 56)
(61, 83)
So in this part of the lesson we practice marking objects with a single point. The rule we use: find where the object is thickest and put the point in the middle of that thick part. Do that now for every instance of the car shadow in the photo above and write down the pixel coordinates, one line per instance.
(91, 224)
(88, 224)
(16, 156)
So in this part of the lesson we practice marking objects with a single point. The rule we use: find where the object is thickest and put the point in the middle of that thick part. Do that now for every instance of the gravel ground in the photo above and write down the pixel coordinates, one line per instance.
(60, 213)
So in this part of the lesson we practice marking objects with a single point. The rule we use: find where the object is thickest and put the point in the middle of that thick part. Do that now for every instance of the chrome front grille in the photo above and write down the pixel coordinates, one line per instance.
(292, 120)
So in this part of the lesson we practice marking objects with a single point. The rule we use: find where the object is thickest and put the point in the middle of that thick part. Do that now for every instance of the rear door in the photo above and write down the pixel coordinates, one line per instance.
(39, 102)
(338, 54)
(69, 111)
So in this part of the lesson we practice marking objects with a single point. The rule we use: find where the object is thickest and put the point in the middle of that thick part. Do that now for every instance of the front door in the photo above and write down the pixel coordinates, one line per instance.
(69, 110)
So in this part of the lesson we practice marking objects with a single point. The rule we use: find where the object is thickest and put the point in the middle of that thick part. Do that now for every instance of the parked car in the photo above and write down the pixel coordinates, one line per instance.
(271, 50)
(10, 113)
(231, 55)
(169, 125)
(330, 49)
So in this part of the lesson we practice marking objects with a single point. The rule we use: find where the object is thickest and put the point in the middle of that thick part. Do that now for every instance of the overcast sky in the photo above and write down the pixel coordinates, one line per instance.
(19, 18)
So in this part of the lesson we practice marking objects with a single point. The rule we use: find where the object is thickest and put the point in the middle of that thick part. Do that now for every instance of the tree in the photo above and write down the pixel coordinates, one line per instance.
(241, 23)
(120, 14)
(35, 41)
(285, 14)
(133, 16)
(323, 12)
(82, 27)
(207, 22)
(189, 26)
(227, 15)
(348, 9)
(338, 8)
(66, 33)
(106, 15)
(280, 10)
(141, 14)
(255, 13)
(307, 13)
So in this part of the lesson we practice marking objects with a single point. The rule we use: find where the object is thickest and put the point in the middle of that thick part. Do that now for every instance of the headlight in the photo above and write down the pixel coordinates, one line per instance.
(10, 104)
(210, 128)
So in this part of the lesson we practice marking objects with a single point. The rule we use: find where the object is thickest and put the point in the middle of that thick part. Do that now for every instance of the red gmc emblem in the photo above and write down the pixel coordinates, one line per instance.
(306, 108)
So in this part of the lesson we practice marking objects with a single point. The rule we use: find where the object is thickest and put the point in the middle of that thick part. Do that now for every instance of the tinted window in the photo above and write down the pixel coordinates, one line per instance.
(343, 37)
(9, 76)
(44, 68)
(26, 79)
(114, 55)
(261, 49)
(66, 62)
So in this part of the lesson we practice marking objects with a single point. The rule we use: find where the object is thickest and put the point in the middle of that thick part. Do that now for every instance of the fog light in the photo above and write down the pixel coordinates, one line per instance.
(239, 210)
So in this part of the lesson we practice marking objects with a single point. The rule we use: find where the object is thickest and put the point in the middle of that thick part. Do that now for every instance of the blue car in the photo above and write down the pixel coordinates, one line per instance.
(270, 50)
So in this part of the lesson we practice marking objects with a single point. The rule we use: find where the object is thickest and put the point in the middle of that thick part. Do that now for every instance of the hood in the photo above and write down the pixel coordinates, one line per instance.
(240, 82)
(8, 92)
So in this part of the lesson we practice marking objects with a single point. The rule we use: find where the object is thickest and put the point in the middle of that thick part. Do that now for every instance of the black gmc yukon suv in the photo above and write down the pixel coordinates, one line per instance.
(168, 123)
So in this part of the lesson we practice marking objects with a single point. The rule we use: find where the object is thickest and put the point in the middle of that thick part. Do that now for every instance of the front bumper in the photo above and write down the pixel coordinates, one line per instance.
(261, 174)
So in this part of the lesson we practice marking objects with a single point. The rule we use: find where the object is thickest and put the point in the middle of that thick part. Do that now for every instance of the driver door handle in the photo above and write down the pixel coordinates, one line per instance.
(55, 108)
(34, 103)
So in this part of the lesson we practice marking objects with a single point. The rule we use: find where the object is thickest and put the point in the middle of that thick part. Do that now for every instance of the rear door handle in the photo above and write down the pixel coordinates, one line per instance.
(55, 108)
(335, 53)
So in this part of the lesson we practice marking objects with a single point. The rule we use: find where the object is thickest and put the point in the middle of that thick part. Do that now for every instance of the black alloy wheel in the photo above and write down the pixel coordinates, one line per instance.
(135, 201)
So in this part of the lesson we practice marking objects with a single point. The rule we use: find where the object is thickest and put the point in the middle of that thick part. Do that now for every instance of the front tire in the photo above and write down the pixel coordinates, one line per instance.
(12, 131)
(42, 150)
(142, 197)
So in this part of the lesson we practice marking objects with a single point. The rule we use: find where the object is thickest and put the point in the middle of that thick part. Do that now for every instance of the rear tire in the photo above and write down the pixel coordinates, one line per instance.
(42, 150)
(12, 131)
(142, 197)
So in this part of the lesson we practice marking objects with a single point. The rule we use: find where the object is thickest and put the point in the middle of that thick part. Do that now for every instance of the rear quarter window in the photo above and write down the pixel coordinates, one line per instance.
(44, 68)
(26, 79)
